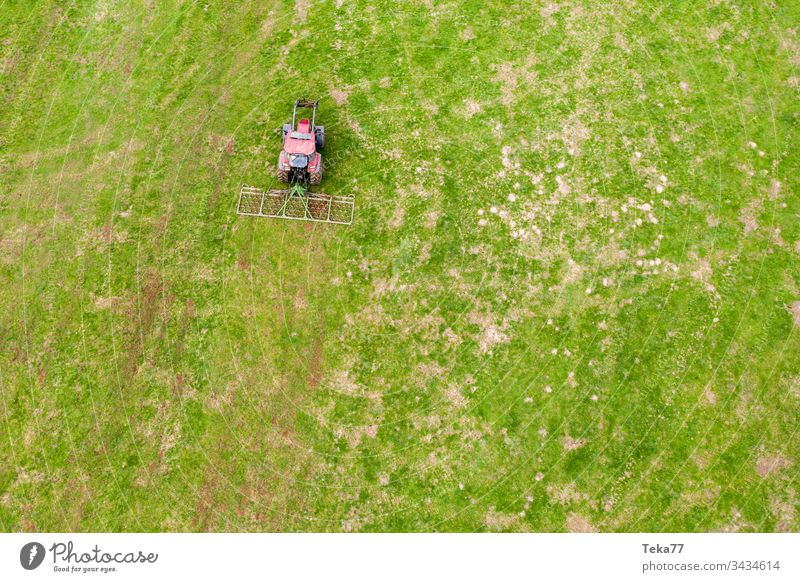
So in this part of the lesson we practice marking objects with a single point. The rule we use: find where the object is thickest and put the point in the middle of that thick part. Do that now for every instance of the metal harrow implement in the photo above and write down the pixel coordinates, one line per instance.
(296, 203)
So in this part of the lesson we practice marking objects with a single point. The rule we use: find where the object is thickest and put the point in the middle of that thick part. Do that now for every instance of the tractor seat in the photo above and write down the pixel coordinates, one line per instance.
(304, 126)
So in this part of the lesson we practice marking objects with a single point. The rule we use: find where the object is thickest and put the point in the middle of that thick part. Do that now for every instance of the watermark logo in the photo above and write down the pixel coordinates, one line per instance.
(31, 555)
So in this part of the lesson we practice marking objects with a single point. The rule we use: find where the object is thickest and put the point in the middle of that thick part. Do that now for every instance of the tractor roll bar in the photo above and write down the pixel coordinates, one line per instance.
(305, 103)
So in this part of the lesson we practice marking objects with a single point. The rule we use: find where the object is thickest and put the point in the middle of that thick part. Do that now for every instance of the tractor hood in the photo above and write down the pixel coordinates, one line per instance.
(298, 143)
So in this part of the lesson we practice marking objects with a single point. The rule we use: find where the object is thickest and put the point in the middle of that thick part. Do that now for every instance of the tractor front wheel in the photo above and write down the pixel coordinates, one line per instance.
(283, 176)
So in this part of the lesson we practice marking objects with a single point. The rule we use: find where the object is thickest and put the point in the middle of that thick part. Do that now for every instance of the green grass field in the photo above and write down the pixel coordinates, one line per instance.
(570, 299)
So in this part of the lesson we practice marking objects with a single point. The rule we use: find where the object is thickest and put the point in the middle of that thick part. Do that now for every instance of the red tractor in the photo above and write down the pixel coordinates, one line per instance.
(299, 161)
(299, 164)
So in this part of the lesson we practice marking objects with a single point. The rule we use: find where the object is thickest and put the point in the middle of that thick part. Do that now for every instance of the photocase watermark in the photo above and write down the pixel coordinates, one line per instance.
(67, 558)
(31, 555)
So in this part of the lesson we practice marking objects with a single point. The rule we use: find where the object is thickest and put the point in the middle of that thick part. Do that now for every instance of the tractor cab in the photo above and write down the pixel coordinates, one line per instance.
(300, 141)
(303, 136)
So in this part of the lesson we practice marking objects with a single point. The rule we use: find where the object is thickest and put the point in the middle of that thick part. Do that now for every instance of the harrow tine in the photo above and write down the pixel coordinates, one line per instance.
(292, 205)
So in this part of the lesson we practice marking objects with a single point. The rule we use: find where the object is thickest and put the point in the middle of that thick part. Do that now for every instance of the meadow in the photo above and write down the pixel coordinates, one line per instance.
(569, 300)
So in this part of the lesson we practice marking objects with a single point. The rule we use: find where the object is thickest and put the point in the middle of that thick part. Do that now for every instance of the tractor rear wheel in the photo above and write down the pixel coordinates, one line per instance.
(283, 176)
(316, 177)
(319, 137)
